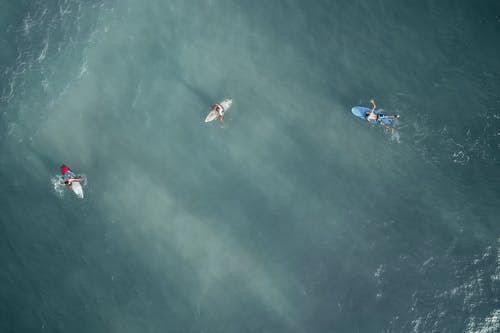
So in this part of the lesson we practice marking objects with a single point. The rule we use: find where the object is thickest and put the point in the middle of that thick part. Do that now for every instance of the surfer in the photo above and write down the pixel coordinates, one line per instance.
(220, 111)
(373, 117)
(69, 176)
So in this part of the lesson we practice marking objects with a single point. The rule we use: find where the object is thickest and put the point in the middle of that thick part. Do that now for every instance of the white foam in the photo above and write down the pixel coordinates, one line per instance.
(57, 185)
(490, 324)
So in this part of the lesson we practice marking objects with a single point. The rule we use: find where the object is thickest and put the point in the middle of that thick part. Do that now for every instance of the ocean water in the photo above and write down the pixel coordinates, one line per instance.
(292, 216)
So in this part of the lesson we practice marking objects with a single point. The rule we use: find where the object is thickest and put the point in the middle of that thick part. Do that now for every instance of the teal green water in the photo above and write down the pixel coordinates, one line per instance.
(294, 216)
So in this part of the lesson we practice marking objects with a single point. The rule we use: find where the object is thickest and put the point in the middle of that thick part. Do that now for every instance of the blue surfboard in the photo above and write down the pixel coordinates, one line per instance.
(361, 112)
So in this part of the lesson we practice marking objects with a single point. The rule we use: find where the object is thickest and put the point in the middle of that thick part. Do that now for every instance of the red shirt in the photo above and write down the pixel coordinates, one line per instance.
(64, 169)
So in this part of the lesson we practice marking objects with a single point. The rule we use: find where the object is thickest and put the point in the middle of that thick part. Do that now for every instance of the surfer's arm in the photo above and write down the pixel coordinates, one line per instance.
(374, 105)
(71, 180)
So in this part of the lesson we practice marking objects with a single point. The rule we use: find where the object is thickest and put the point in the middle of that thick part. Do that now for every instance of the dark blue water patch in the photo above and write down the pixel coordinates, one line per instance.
(12, 14)
(44, 42)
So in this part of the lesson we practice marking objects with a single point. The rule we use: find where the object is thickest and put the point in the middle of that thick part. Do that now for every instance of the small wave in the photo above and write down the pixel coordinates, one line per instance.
(395, 136)
(460, 157)
(56, 182)
(43, 53)
(84, 177)
(83, 67)
(489, 324)
(11, 128)
(45, 85)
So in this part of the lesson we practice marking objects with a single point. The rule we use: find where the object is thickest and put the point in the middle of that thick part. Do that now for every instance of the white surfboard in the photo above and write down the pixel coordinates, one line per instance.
(76, 187)
(213, 114)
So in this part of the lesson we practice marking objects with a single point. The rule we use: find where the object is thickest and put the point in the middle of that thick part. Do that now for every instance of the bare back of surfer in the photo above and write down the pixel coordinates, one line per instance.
(373, 117)
(220, 110)
(68, 182)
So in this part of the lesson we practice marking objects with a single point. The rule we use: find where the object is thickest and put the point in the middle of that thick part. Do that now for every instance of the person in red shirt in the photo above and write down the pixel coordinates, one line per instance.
(69, 176)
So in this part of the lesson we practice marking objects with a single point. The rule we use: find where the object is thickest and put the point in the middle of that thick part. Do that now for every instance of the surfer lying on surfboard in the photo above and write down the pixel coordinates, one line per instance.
(69, 177)
(220, 111)
(374, 117)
